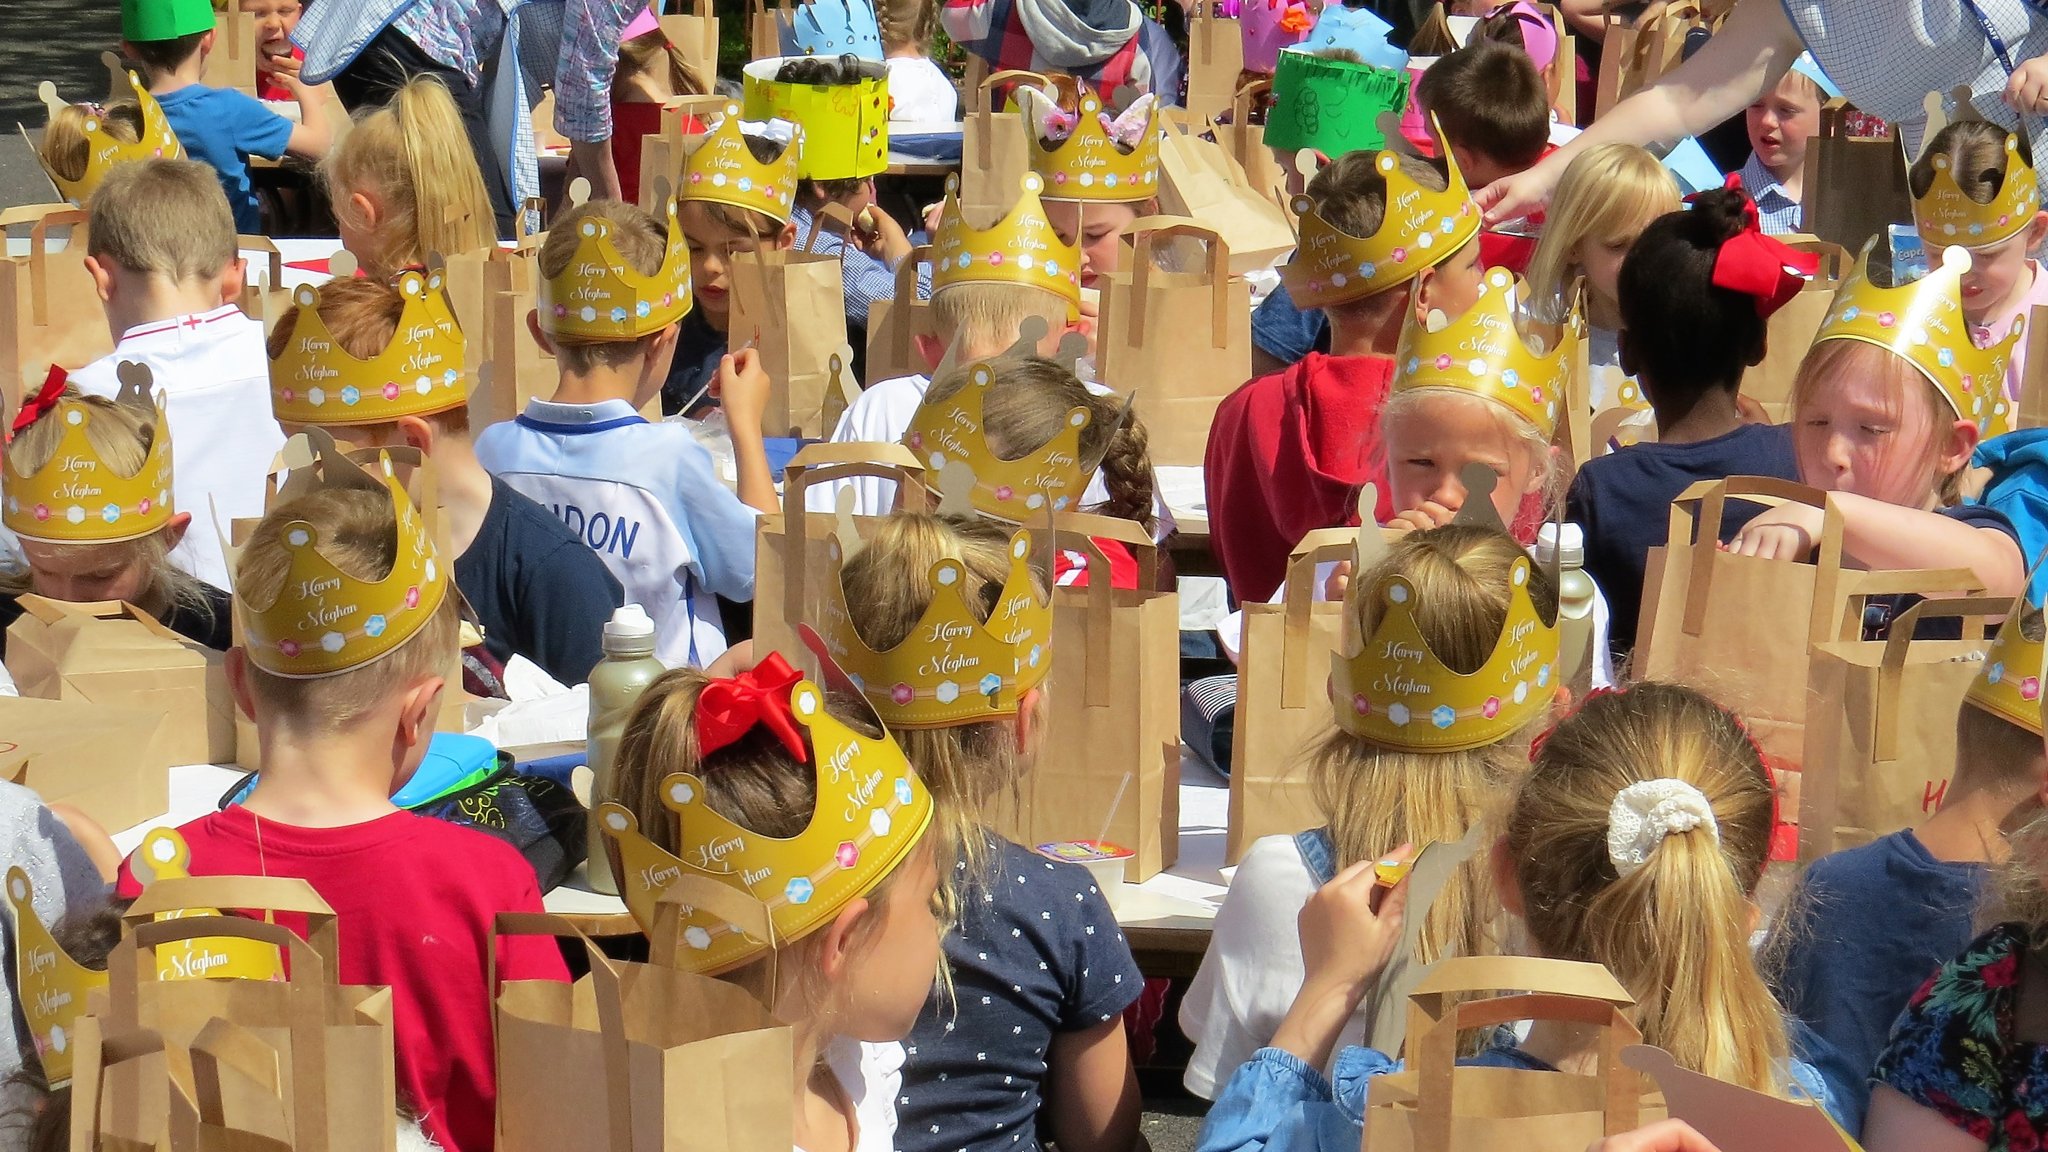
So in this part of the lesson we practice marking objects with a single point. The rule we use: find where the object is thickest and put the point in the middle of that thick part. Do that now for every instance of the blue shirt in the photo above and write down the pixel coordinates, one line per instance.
(1871, 925)
(1287, 333)
(223, 127)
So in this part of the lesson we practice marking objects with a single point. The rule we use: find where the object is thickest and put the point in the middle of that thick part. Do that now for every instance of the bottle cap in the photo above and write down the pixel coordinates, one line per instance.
(1562, 544)
(630, 622)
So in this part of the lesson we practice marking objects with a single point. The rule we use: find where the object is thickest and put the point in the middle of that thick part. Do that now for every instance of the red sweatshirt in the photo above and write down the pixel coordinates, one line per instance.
(1287, 455)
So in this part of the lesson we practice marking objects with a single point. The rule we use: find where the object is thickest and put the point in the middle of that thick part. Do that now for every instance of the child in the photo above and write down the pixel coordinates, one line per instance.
(1029, 1045)
(1603, 202)
(1780, 124)
(1288, 452)
(1686, 339)
(83, 142)
(1375, 788)
(124, 447)
(1492, 112)
(1870, 923)
(1109, 45)
(920, 92)
(721, 223)
(1985, 199)
(651, 72)
(222, 127)
(1093, 213)
(536, 588)
(404, 183)
(162, 254)
(1886, 423)
(276, 56)
(343, 711)
(643, 496)
(1636, 840)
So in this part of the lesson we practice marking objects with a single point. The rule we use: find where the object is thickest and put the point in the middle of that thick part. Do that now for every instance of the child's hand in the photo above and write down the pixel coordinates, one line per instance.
(886, 241)
(1663, 1136)
(1786, 532)
(1430, 515)
(742, 389)
(1339, 582)
(2027, 91)
(1350, 926)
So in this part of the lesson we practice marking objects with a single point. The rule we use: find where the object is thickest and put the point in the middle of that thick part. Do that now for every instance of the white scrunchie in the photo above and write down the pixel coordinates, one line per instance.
(1643, 814)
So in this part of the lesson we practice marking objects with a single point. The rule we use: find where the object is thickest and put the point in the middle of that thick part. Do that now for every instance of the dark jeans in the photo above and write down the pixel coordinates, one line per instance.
(390, 60)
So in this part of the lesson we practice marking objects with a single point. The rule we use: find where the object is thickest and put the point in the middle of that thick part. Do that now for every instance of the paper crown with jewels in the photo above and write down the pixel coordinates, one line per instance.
(722, 170)
(1947, 215)
(1391, 690)
(600, 295)
(77, 497)
(1421, 229)
(1089, 165)
(2009, 685)
(1484, 352)
(52, 986)
(1021, 248)
(871, 812)
(315, 381)
(103, 152)
(1922, 323)
(830, 28)
(950, 429)
(323, 621)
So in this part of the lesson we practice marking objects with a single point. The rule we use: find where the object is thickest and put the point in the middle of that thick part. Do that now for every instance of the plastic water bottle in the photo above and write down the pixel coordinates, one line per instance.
(616, 683)
(1565, 545)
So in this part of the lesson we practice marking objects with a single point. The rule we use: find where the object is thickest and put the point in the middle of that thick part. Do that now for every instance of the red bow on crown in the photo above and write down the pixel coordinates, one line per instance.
(35, 407)
(1757, 265)
(729, 709)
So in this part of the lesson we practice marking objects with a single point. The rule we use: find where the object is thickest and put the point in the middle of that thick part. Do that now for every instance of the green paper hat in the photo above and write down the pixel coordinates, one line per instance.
(1333, 106)
(146, 20)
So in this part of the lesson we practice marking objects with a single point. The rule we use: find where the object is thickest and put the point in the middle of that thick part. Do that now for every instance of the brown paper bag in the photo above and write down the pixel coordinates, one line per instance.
(695, 35)
(994, 149)
(895, 324)
(1150, 338)
(637, 1058)
(232, 62)
(662, 154)
(1633, 56)
(111, 763)
(1855, 187)
(1245, 143)
(1791, 329)
(764, 37)
(791, 305)
(1881, 732)
(1111, 769)
(1201, 181)
(50, 312)
(1215, 60)
(263, 297)
(1436, 1106)
(117, 655)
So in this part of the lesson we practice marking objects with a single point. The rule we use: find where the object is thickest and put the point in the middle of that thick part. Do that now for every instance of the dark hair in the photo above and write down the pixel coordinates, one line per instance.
(825, 191)
(1685, 335)
(1489, 98)
(164, 55)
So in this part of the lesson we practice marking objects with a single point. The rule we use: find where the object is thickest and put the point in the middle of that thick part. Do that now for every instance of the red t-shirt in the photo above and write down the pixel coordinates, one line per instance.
(414, 901)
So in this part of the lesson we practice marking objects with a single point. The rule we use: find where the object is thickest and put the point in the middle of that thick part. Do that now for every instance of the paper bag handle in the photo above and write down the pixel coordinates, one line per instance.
(1144, 231)
(95, 1054)
(1858, 587)
(39, 257)
(1078, 531)
(1298, 601)
(1464, 975)
(1436, 1061)
(820, 463)
(730, 904)
(1973, 610)
(266, 894)
(611, 1024)
(268, 246)
(1703, 503)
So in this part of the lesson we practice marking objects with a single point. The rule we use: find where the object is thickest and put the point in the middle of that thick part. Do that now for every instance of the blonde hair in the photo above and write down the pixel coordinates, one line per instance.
(653, 52)
(1906, 390)
(413, 156)
(638, 236)
(988, 315)
(121, 436)
(908, 22)
(1975, 151)
(1376, 799)
(67, 149)
(163, 217)
(362, 314)
(1609, 192)
(1992, 752)
(359, 535)
(1676, 931)
(1543, 463)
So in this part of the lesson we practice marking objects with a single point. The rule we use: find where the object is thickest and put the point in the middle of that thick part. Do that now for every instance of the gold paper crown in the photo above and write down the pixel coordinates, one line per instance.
(164, 855)
(1484, 353)
(103, 152)
(871, 812)
(1923, 324)
(324, 621)
(723, 170)
(2009, 687)
(1393, 691)
(77, 497)
(949, 430)
(315, 381)
(1421, 229)
(1088, 166)
(1021, 248)
(1947, 215)
(601, 296)
(52, 986)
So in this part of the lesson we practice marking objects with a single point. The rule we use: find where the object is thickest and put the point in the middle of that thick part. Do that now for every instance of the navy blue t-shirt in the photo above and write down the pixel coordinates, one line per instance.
(1879, 612)
(537, 589)
(1287, 333)
(1870, 925)
(1623, 501)
(224, 127)
(1037, 953)
(699, 348)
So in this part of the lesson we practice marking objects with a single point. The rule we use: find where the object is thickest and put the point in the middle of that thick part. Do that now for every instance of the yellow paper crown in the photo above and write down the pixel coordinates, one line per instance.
(950, 430)
(1947, 215)
(1021, 248)
(104, 153)
(871, 811)
(315, 381)
(2009, 687)
(324, 621)
(1393, 691)
(1484, 353)
(164, 855)
(77, 497)
(1088, 166)
(52, 986)
(601, 296)
(1421, 229)
(1923, 324)
(723, 170)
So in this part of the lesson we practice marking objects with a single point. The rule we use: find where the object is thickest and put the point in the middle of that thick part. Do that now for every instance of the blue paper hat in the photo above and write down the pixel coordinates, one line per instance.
(1355, 29)
(830, 28)
(1810, 68)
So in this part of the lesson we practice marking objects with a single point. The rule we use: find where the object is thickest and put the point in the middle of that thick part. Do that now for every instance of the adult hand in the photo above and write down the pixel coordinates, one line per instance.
(1514, 197)
(1663, 1136)
(592, 160)
(2027, 90)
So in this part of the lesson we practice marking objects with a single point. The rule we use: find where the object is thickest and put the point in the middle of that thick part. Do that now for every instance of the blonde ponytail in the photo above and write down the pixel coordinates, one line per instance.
(414, 158)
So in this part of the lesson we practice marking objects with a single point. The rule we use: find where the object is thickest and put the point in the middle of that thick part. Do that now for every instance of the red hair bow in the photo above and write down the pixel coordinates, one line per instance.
(1758, 265)
(35, 407)
(729, 709)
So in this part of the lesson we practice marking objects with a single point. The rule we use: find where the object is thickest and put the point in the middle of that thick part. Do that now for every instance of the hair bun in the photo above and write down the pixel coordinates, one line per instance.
(1723, 214)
